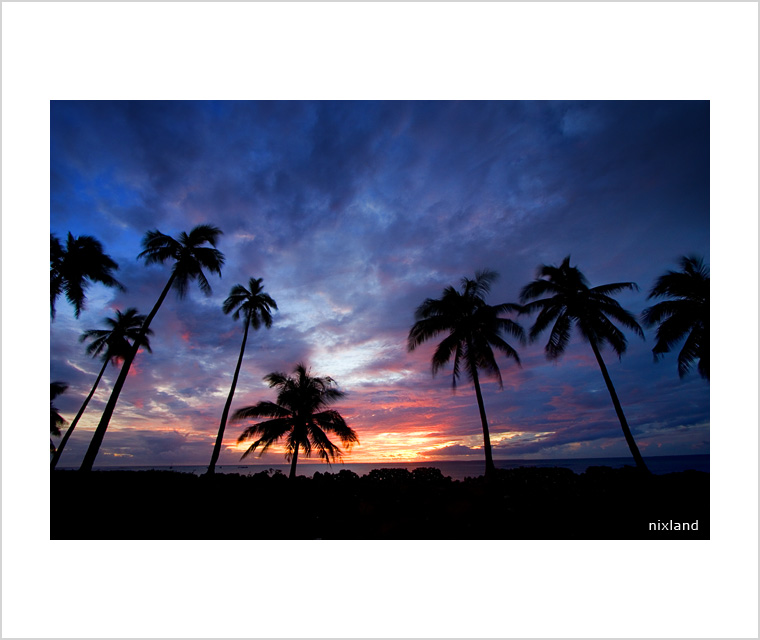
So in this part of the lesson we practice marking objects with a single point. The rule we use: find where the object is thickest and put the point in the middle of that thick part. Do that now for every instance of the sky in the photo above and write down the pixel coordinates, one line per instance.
(354, 213)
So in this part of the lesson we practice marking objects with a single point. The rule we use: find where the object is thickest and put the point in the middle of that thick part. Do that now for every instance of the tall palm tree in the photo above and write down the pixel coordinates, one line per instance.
(299, 415)
(256, 308)
(685, 315)
(56, 419)
(474, 330)
(114, 344)
(73, 268)
(593, 311)
(190, 256)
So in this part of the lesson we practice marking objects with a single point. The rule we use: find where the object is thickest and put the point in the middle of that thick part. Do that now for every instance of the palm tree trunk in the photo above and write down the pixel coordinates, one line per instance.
(619, 410)
(100, 431)
(293, 463)
(74, 422)
(490, 468)
(226, 412)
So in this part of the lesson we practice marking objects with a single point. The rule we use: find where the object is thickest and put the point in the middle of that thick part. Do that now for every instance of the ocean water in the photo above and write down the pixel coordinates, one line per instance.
(457, 470)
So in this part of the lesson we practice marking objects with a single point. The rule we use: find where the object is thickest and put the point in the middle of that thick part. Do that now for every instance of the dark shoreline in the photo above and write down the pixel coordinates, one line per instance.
(524, 503)
(456, 469)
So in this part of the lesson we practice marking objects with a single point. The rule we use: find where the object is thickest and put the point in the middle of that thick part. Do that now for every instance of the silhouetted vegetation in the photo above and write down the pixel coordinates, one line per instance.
(572, 302)
(474, 331)
(256, 308)
(297, 416)
(73, 267)
(56, 419)
(190, 257)
(525, 503)
(114, 345)
(685, 316)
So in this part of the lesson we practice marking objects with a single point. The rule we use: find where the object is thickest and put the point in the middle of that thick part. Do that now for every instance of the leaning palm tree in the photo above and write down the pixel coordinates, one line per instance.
(256, 308)
(300, 416)
(593, 311)
(685, 315)
(113, 345)
(474, 330)
(75, 267)
(190, 257)
(56, 419)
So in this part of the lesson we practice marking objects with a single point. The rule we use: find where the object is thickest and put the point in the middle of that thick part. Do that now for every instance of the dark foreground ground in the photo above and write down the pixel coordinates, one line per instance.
(525, 503)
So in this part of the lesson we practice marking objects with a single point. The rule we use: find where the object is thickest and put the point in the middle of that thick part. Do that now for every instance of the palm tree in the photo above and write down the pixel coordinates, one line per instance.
(190, 256)
(56, 419)
(73, 269)
(686, 314)
(255, 306)
(474, 330)
(299, 415)
(114, 345)
(593, 311)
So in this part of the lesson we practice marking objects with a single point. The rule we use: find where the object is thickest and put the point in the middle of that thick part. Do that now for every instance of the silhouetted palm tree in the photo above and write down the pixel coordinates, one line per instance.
(114, 345)
(593, 311)
(255, 306)
(685, 315)
(73, 269)
(190, 257)
(56, 419)
(474, 330)
(299, 415)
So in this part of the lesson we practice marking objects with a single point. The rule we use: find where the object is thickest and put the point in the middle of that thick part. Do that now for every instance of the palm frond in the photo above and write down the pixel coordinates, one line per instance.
(670, 332)
(319, 441)
(447, 348)
(510, 327)
(254, 304)
(686, 313)
(269, 430)
(427, 328)
(481, 285)
(689, 353)
(181, 280)
(56, 419)
(612, 308)
(208, 258)
(679, 285)
(549, 312)
(158, 247)
(559, 337)
(601, 331)
(276, 379)
(298, 439)
(238, 295)
(204, 233)
(537, 289)
(203, 284)
(481, 357)
(507, 349)
(662, 311)
(612, 289)
(115, 343)
(331, 421)
(262, 409)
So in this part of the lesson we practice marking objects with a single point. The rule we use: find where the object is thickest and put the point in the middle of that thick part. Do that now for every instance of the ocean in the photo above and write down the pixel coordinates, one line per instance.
(456, 469)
